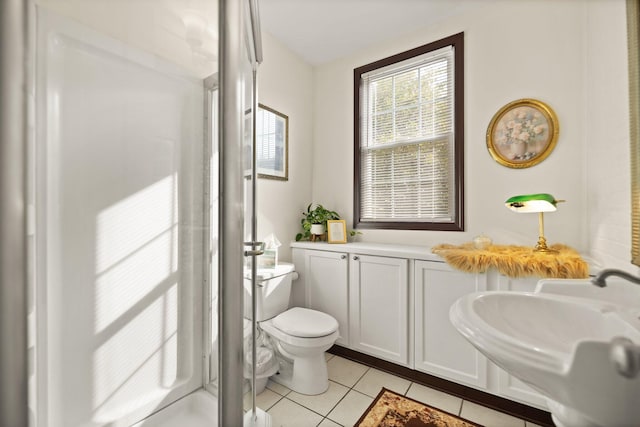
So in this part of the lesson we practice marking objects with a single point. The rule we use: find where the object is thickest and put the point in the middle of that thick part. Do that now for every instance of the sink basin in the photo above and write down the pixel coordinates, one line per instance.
(559, 342)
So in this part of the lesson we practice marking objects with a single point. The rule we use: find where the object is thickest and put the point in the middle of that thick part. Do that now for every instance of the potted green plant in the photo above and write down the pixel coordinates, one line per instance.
(314, 221)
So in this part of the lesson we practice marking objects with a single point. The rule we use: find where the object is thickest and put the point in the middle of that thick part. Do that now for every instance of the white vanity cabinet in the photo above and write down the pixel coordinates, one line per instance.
(392, 302)
(439, 349)
(324, 279)
(378, 307)
(367, 295)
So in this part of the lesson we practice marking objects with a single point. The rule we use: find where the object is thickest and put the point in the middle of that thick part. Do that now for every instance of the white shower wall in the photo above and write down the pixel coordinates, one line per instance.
(119, 228)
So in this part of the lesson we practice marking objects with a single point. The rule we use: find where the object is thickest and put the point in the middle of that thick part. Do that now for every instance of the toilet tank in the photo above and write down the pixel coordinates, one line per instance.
(273, 291)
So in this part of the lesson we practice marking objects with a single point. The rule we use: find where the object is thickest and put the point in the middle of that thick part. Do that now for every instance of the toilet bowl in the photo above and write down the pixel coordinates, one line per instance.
(299, 335)
(266, 363)
(302, 336)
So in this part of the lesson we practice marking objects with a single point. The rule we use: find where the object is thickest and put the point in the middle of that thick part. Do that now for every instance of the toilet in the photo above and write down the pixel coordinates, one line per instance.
(299, 335)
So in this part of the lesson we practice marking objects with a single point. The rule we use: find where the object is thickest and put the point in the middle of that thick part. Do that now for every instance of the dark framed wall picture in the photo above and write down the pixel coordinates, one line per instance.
(272, 144)
(522, 133)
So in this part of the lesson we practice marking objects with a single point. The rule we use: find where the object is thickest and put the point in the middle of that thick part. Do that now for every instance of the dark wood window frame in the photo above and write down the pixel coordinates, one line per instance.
(457, 41)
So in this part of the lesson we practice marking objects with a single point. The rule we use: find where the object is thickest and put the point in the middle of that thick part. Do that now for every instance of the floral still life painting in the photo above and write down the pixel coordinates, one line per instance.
(522, 133)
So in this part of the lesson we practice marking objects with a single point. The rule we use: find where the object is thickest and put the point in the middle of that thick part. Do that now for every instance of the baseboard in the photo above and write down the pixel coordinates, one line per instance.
(489, 400)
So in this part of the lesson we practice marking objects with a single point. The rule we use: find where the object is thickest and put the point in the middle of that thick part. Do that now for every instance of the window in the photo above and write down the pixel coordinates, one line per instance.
(408, 148)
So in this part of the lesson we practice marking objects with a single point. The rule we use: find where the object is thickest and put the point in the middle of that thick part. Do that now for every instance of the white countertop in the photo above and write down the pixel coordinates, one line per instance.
(397, 251)
(380, 249)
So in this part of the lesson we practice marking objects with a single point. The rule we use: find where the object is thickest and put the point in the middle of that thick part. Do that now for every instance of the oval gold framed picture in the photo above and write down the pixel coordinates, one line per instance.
(522, 133)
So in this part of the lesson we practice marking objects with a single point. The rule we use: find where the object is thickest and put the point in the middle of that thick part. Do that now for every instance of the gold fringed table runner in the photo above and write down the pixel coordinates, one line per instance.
(515, 261)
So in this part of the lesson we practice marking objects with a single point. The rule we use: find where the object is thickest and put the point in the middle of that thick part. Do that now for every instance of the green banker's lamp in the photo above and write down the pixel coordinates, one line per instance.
(535, 203)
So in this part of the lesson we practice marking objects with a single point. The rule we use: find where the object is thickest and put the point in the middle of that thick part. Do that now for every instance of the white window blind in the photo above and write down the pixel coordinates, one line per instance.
(407, 166)
(266, 137)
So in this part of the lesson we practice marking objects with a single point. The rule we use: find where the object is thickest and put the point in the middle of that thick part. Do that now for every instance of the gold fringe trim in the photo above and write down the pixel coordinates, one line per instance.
(515, 261)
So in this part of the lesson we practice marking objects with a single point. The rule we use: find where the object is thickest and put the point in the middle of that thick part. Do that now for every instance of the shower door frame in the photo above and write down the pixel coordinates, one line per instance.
(14, 409)
(235, 17)
(211, 132)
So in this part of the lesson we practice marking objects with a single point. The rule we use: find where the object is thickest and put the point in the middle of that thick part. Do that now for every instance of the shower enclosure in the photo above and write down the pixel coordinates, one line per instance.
(138, 131)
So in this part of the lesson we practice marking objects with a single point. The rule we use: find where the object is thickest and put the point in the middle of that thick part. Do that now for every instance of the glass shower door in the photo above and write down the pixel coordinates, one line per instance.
(118, 184)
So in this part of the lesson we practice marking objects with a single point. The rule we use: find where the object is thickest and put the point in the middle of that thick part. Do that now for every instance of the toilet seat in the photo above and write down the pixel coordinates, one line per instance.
(276, 333)
(305, 317)
(305, 323)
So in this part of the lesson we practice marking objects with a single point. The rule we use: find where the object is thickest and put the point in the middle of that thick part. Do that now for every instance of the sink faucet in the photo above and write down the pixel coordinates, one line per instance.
(601, 278)
(624, 354)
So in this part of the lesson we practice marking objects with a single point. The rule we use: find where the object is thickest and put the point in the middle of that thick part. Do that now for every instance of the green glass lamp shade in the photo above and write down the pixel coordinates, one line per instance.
(542, 202)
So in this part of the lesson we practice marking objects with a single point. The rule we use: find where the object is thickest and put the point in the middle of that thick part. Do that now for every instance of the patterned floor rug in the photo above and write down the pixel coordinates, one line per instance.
(390, 409)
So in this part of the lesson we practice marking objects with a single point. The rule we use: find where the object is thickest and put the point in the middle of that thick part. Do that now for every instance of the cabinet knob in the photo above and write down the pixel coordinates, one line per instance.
(355, 258)
(343, 256)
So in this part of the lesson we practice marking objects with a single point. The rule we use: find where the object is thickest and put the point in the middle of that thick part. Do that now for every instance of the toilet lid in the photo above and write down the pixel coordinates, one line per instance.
(305, 323)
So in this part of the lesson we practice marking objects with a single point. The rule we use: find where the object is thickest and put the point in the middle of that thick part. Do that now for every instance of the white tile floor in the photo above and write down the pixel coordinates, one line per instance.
(352, 388)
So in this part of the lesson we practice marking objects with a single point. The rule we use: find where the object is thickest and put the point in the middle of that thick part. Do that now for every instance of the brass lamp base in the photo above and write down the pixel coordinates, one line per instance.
(541, 246)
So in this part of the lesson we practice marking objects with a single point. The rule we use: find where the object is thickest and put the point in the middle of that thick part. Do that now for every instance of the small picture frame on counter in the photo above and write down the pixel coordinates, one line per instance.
(337, 231)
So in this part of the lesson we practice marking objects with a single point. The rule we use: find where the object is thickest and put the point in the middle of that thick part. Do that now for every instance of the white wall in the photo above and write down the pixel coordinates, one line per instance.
(570, 54)
(285, 83)
(524, 49)
(607, 137)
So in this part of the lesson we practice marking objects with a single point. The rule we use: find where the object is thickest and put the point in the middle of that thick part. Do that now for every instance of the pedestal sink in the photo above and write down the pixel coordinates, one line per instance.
(558, 340)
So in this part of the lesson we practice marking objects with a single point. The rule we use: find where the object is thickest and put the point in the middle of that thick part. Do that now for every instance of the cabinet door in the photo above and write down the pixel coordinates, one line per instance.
(508, 385)
(326, 278)
(439, 348)
(378, 288)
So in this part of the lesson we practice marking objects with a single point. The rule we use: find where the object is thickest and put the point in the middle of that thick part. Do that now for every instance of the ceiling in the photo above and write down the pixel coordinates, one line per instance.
(321, 31)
